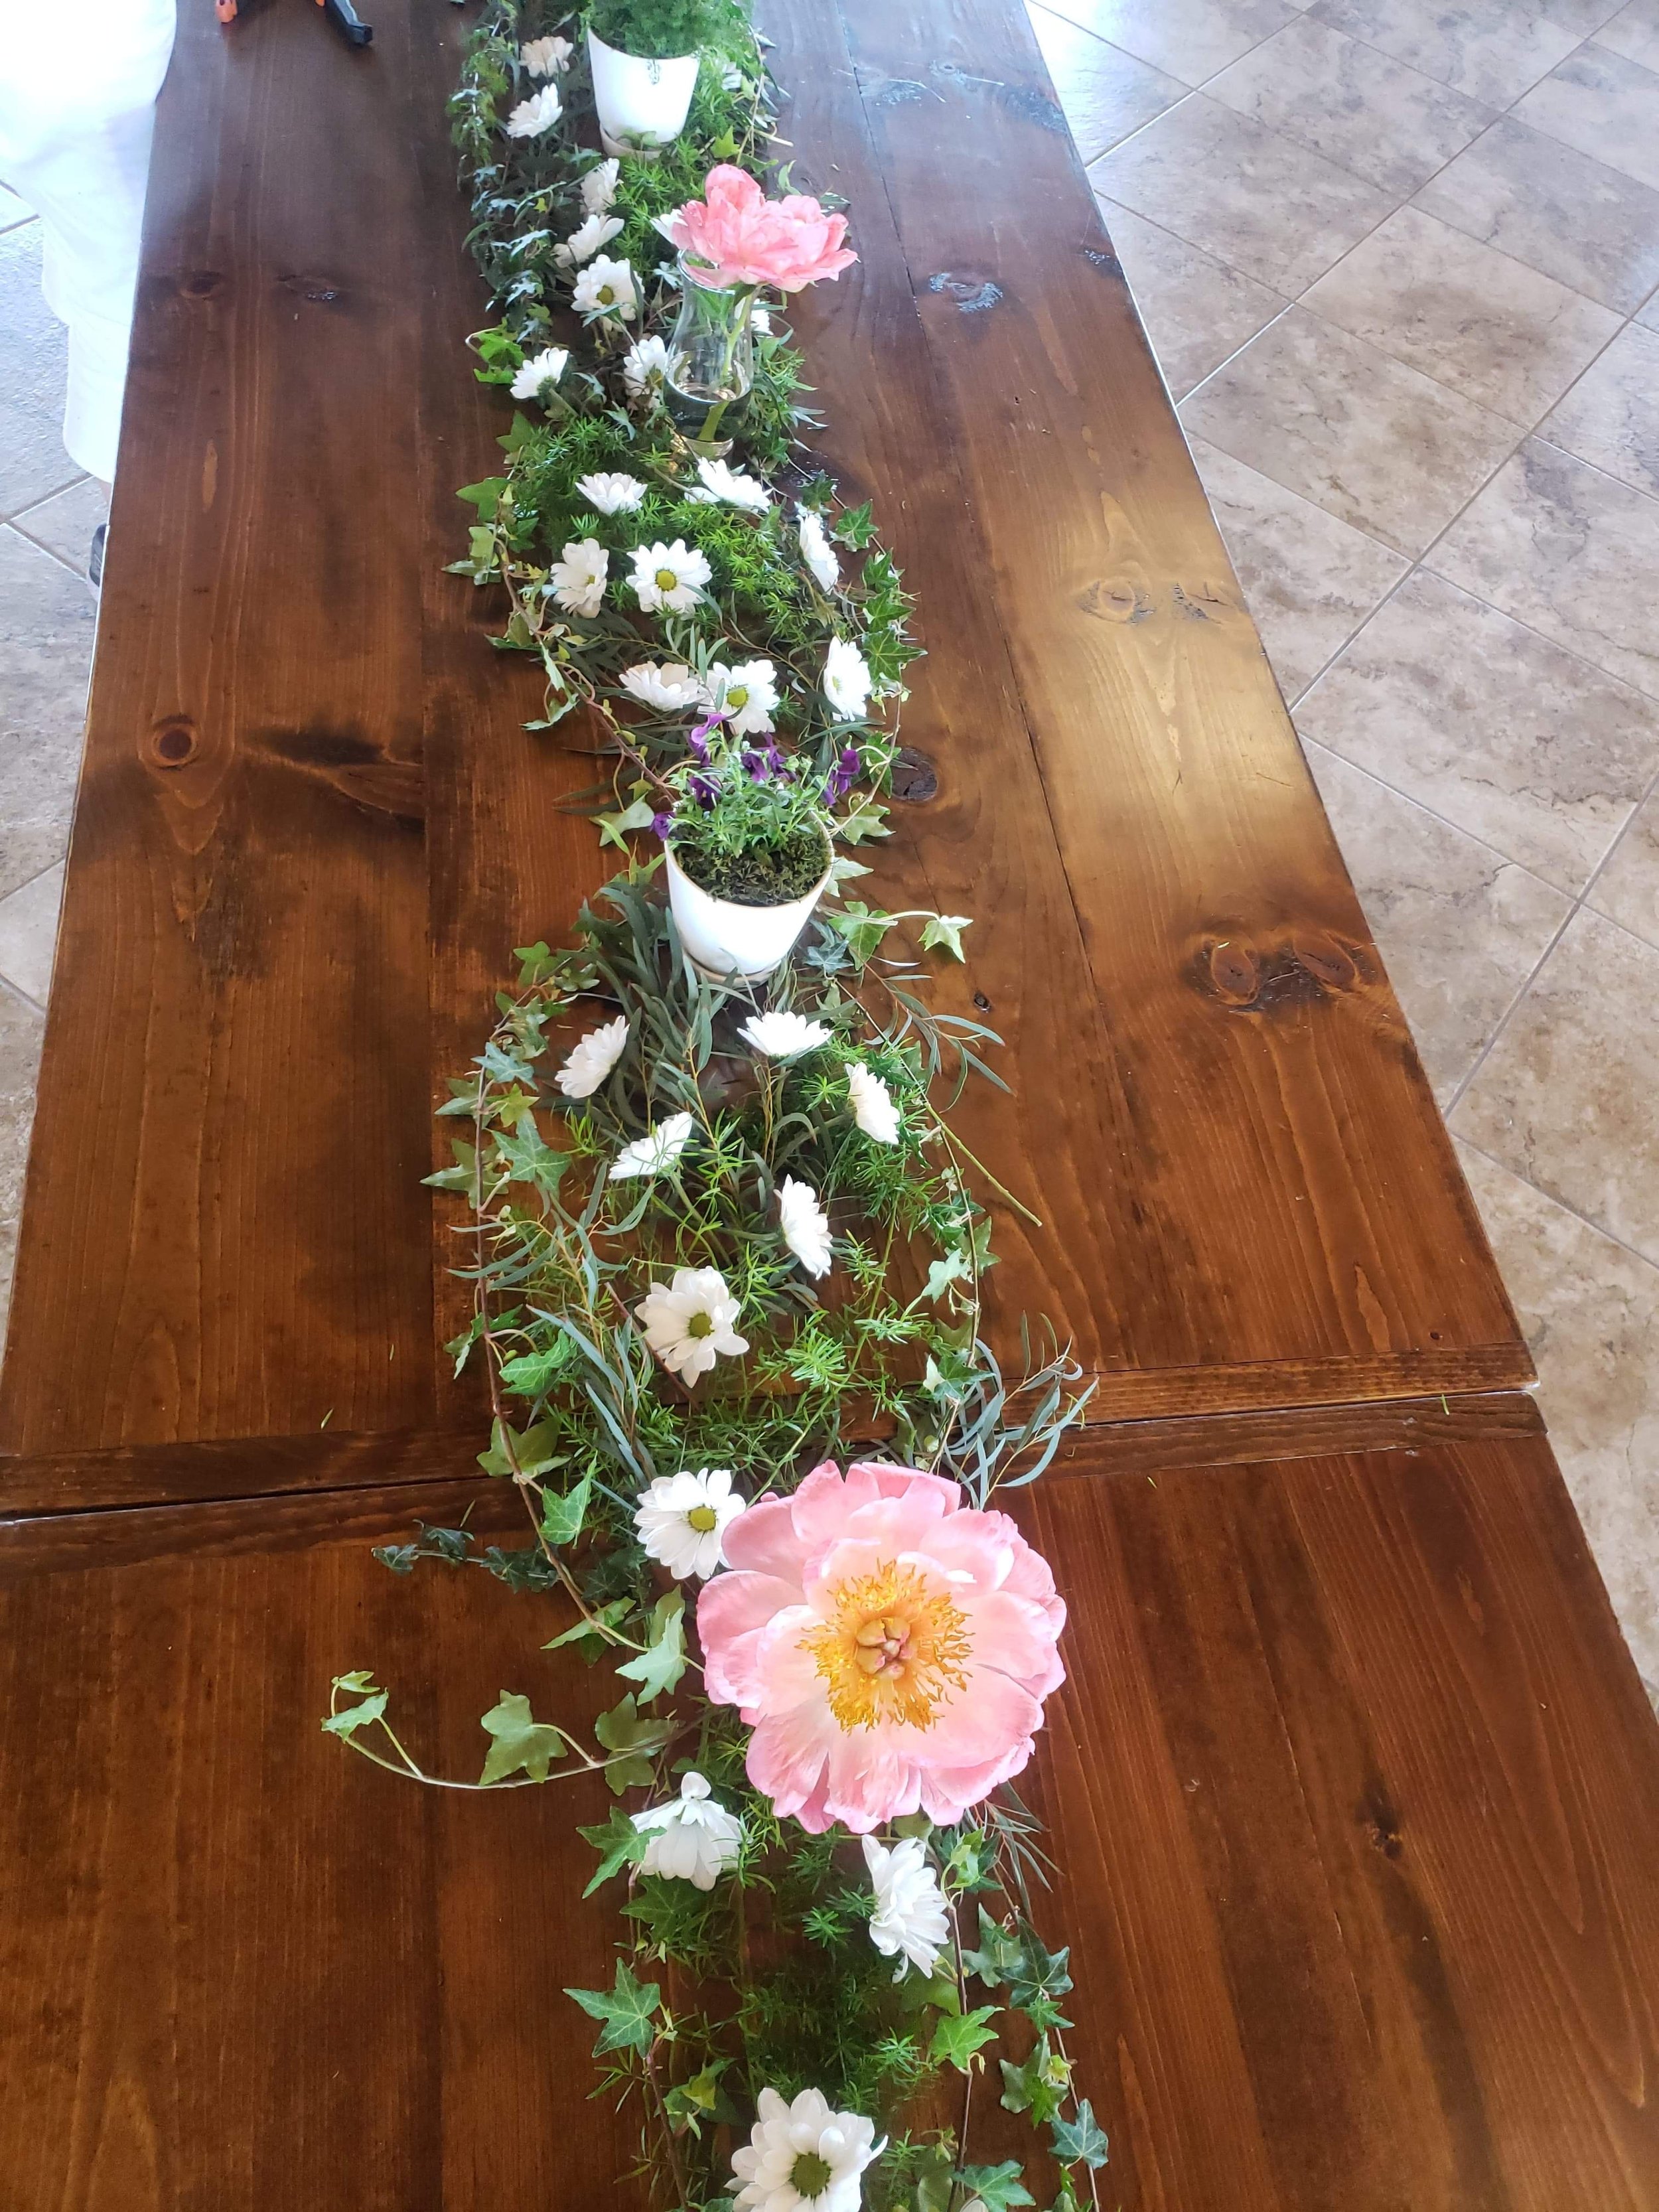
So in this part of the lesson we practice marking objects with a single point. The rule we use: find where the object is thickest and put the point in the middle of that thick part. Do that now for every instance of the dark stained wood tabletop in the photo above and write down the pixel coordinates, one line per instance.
(311, 826)
(1353, 1781)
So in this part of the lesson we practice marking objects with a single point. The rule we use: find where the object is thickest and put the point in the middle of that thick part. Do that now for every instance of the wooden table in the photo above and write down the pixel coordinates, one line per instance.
(1355, 1781)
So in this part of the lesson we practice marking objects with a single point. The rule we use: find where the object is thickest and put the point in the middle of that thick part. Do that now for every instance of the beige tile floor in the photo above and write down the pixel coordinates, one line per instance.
(1399, 262)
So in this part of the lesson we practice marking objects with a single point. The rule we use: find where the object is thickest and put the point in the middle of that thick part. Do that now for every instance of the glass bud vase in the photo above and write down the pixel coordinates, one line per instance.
(711, 363)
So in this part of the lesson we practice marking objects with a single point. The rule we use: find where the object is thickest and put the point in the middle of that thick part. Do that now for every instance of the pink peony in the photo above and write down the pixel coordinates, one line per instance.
(736, 235)
(889, 1648)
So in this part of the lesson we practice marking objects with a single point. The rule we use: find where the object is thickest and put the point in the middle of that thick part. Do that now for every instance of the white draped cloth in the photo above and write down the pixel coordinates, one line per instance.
(78, 80)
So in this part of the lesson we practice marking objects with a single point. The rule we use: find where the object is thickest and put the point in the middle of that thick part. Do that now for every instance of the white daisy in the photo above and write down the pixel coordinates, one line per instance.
(910, 1923)
(681, 1521)
(803, 2154)
(734, 486)
(805, 1223)
(872, 1103)
(668, 685)
(816, 551)
(599, 188)
(545, 57)
(692, 1838)
(611, 491)
(658, 1149)
(748, 692)
(533, 116)
(783, 1036)
(578, 581)
(644, 366)
(592, 1058)
(688, 1323)
(542, 368)
(669, 578)
(846, 680)
(585, 242)
(607, 287)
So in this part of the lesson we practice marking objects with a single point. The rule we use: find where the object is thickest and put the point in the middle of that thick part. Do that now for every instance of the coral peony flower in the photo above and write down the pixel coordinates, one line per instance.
(735, 235)
(889, 1648)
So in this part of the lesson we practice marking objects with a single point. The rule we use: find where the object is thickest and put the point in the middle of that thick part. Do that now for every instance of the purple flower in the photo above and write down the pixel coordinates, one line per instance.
(705, 789)
(844, 775)
(662, 823)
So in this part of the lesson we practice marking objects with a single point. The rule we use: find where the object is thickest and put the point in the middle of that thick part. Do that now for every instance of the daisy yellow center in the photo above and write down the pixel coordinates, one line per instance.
(666, 580)
(607, 295)
(738, 696)
(700, 1324)
(702, 1518)
(892, 1650)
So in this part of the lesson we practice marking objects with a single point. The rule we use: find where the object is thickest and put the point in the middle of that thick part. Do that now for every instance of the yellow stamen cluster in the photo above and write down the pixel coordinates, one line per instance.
(891, 1650)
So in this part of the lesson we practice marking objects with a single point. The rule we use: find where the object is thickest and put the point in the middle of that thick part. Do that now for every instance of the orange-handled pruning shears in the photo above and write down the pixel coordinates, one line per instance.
(341, 12)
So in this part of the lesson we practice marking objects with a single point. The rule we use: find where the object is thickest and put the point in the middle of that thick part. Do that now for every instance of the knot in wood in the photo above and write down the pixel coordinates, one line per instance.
(915, 780)
(173, 741)
(1235, 972)
(1326, 960)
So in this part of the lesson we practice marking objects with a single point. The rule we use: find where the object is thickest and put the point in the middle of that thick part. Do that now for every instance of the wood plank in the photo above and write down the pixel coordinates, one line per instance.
(1354, 1778)
(69, 1484)
(224, 1232)
(1219, 1111)
(311, 828)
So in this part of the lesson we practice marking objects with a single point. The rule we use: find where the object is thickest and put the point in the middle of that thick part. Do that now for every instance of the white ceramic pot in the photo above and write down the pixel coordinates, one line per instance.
(724, 940)
(642, 104)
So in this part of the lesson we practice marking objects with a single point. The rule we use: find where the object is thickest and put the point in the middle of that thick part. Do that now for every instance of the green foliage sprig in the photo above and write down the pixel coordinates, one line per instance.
(615, 1052)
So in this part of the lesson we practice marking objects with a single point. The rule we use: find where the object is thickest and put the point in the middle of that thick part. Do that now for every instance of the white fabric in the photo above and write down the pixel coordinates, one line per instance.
(77, 111)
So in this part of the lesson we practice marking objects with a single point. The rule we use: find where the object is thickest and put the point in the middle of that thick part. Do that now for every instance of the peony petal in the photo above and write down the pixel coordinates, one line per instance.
(765, 1540)
(733, 1613)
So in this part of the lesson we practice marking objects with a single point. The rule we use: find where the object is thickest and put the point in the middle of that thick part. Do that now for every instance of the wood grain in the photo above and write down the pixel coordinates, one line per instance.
(311, 828)
(1354, 1780)
(1218, 1110)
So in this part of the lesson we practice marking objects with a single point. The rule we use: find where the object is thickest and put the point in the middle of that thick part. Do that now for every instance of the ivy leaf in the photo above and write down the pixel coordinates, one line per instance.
(562, 1517)
(856, 526)
(624, 2012)
(942, 1273)
(531, 1454)
(1001, 1954)
(638, 815)
(998, 2186)
(371, 1706)
(520, 1741)
(584, 1634)
(688, 2103)
(862, 927)
(483, 495)
(946, 929)
(1038, 1981)
(1079, 2140)
(623, 1730)
(1039, 2086)
(618, 1842)
(867, 820)
(955, 2041)
(536, 962)
(523, 433)
(660, 1665)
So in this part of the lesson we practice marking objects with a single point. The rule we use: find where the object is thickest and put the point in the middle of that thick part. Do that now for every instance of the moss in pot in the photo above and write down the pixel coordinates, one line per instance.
(748, 850)
(645, 56)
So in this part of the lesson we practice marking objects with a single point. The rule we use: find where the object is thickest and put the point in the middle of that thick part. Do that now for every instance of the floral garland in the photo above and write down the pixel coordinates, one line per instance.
(725, 1242)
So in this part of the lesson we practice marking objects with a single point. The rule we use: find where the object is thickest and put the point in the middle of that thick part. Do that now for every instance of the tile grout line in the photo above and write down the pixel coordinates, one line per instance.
(1549, 1197)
